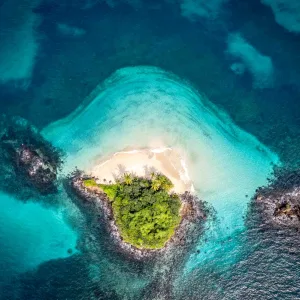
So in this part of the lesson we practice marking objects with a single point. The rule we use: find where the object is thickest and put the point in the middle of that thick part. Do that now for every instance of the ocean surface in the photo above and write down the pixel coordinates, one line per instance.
(218, 81)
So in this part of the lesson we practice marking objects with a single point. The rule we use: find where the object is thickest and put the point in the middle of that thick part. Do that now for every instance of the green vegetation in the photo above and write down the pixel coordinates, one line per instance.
(144, 211)
(90, 183)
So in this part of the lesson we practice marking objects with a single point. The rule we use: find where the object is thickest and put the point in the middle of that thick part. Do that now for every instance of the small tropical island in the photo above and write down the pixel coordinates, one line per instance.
(144, 210)
(142, 200)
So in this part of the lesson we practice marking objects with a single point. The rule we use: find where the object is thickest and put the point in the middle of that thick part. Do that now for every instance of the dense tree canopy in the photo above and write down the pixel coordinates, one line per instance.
(144, 211)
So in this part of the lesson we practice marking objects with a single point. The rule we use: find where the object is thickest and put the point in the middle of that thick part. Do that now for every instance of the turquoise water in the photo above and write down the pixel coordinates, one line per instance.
(144, 107)
(32, 234)
(217, 81)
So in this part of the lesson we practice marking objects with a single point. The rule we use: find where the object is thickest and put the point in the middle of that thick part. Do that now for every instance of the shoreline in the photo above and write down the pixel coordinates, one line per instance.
(142, 162)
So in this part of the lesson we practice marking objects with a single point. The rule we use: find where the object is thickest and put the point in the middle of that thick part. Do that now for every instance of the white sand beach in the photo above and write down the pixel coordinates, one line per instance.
(142, 163)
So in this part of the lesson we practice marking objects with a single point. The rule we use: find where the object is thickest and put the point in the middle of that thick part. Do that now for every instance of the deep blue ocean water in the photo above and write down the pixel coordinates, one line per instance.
(53, 54)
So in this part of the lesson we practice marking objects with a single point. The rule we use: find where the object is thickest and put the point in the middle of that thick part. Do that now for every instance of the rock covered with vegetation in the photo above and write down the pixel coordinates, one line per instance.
(144, 211)
(142, 215)
(27, 155)
(279, 202)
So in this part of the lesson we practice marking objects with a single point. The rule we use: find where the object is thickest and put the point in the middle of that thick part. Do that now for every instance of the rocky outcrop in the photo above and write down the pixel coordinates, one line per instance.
(279, 202)
(29, 155)
(40, 171)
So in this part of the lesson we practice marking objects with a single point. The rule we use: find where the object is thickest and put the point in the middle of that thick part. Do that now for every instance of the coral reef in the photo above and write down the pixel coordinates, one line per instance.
(258, 65)
(193, 9)
(286, 13)
(19, 41)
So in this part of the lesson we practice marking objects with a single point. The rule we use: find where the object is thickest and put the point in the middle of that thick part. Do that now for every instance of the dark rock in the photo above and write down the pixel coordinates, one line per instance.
(27, 156)
(279, 202)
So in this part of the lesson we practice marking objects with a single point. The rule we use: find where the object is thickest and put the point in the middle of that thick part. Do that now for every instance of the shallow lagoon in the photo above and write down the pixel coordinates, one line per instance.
(146, 107)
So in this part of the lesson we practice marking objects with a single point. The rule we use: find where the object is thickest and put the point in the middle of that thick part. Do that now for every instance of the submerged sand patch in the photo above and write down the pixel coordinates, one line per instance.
(142, 163)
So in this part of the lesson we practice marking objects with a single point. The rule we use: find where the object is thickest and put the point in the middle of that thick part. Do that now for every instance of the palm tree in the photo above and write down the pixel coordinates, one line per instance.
(160, 181)
(165, 182)
(127, 178)
(153, 175)
(155, 185)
